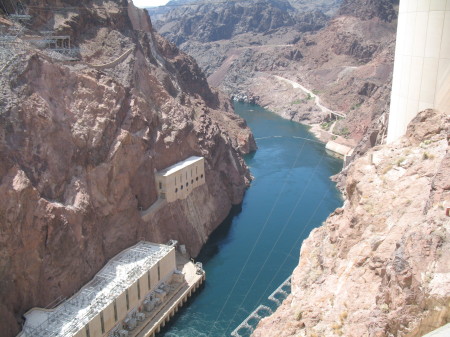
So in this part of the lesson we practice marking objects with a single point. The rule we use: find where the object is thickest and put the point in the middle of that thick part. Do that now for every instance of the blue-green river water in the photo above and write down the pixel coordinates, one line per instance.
(258, 246)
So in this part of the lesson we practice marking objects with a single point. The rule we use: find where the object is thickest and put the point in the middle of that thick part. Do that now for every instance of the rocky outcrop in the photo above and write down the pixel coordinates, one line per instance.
(310, 21)
(213, 22)
(79, 147)
(328, 7)
(352, 75)
(212, 32)
(347, 59)
(369, 9)
(157, 12)
(379, 265)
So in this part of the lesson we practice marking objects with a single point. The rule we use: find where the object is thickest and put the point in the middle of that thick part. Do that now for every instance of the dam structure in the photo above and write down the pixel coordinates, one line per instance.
(134, 294)
(421, 78)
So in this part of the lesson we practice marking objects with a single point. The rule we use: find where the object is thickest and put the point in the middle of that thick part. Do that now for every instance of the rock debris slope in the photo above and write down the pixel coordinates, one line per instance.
(80, 142)
(379, 266)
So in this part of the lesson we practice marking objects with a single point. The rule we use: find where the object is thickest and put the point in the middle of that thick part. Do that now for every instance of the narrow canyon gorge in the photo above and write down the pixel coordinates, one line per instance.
(98, 96)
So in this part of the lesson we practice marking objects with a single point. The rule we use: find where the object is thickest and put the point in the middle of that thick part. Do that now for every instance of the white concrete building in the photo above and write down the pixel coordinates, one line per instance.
(178, 181)
(113, 299)
(422, 62)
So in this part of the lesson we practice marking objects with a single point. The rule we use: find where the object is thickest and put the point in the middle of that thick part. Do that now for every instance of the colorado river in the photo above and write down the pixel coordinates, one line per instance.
(257, 247)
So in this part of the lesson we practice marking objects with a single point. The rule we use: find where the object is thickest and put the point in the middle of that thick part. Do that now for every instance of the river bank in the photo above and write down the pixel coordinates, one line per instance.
(293, 101)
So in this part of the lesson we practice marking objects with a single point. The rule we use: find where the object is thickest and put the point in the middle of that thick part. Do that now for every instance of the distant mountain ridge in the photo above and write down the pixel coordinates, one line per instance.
(343, 48)
(157, 11)
(220, 21)
(368, 9)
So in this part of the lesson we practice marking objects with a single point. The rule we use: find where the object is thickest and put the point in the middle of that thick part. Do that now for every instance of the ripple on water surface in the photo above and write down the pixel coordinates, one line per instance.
(257, 247)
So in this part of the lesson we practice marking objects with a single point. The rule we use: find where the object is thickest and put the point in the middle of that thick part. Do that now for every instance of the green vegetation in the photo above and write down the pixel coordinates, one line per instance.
(337, 328)
(386, 169)
(343, 316)
(384, 308)
(344, 132)
(356, 106)
(427, 155)
(302, 101)
(400, 161)
(326, 125)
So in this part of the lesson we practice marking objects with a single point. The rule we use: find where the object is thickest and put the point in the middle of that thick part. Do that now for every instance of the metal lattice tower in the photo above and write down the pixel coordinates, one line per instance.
(12, 30)
(12, 27)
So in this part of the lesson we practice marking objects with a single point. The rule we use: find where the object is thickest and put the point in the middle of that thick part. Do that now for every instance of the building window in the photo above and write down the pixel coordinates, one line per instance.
(196, 179)
(139, 290)
(148, 279)
(187, 184)
(102, 322)
(115, 311)
(160, 185)
(127, 299)
(176, 190)
(88, 334)
(181, 186)
(192, 181)
(159, 272)
(201, 176)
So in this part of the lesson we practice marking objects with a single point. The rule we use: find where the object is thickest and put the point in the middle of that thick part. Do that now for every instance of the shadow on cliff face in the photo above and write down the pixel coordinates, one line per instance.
(217, 237)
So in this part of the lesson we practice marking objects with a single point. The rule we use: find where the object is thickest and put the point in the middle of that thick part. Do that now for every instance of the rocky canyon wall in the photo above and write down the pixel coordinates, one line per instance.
(379, 266)
(341, 51)
(80, 142)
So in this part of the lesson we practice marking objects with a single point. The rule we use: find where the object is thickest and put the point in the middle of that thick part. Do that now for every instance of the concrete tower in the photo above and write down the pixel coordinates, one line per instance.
(422, 62)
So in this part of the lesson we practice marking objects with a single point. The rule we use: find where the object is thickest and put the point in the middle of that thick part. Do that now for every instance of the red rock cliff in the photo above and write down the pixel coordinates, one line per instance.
(80, 142)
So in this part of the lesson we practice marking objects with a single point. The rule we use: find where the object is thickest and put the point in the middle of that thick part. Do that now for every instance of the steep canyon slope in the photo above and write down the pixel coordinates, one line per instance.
(342, 52)
(80, 142)
(379, 266)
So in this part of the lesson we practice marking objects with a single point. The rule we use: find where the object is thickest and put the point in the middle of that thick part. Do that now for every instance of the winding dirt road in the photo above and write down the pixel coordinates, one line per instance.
(323, 108)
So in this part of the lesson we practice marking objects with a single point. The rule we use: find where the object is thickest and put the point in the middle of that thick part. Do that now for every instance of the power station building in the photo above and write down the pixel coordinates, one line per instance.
(178, 181)
(113, 302)
(421, 77)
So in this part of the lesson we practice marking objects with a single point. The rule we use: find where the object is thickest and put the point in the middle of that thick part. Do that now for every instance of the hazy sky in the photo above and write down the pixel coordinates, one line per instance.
(149, 3)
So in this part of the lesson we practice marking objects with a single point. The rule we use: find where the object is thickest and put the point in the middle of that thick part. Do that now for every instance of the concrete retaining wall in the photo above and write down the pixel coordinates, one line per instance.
(341, 149)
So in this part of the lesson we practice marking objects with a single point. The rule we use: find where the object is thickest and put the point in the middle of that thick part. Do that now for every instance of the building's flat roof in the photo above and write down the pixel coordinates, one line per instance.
(117, 275)
(178, 166)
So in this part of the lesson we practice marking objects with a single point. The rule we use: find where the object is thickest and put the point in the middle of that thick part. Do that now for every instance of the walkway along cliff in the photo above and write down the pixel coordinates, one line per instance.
(80, 146)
